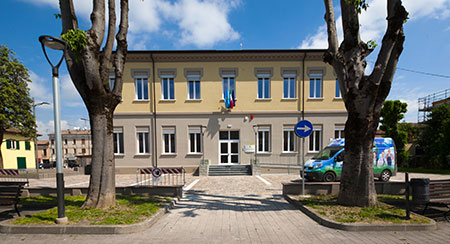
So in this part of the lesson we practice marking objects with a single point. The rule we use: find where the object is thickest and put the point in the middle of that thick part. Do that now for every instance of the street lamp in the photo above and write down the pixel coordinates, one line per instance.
(57, 44)
(35, 140)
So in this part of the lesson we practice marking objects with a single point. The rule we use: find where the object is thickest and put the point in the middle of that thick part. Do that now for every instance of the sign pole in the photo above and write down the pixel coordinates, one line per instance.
(303, 129)
(303, 166)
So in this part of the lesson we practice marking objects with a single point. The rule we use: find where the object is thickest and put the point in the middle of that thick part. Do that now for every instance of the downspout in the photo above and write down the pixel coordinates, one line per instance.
(155, 143)
(303, 85)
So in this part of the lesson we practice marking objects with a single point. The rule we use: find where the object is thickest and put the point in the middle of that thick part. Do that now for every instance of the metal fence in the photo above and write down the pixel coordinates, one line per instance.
(160, 176)
(14, 175)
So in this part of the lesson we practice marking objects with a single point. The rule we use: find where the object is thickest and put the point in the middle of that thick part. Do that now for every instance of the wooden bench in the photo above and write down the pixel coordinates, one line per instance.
(10, 192)
(439, 196)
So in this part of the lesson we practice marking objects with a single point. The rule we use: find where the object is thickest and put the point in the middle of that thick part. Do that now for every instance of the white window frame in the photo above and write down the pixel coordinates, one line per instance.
(145, 143)
(312, 139)
(289, 142)
(340, 130)
(227, 77)
(119, 142)
(312, 84)
(197, 142)
(263, 78)
(13, 144)
(290, 78)
(169, 131)
(196, 80)
(337, 90)
(167, 79)
(264, 140)
(141, 81)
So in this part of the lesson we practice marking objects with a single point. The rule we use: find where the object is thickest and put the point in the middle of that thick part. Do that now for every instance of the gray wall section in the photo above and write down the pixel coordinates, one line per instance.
(215, 123)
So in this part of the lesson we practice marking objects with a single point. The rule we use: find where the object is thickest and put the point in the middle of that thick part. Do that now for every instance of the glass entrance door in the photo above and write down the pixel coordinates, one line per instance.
(229, 147)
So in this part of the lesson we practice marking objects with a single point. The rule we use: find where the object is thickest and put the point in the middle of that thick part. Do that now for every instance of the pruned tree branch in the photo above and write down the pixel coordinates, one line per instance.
(350, 24)
(97, 30)
(119, 59)
(105, 58)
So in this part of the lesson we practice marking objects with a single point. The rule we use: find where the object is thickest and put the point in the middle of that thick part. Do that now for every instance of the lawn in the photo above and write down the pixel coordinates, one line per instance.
(384, 213)
(128, 210)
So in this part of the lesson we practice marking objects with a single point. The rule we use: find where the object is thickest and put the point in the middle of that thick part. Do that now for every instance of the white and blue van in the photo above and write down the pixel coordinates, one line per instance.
(327, 164)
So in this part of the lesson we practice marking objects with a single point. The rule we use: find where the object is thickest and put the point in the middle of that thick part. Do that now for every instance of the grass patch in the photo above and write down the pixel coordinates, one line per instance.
(426, 171)
(128, 210)
(384, 213)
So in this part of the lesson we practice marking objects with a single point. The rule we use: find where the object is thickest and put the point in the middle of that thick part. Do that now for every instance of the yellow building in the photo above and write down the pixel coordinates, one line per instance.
(18, 151)
(174, 111)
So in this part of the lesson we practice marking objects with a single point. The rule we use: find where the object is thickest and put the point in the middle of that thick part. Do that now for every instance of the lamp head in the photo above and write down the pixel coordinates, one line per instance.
(53, 42)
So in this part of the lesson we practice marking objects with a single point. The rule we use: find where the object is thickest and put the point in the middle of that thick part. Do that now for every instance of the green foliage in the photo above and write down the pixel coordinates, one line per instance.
(372, 44)
(435, 139)
(57, 15)
(391, 113)
(359, 4)
(128, 210)
(76, 40)
(15, 101)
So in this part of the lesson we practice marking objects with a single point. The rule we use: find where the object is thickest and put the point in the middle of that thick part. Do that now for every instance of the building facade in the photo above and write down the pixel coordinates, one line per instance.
(18, 152)
(75, 144)
(43, 151)
(175, 109)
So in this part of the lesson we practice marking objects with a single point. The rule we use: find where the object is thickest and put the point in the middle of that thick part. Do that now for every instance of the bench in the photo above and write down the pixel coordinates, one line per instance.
(439, 196)
(10, 192)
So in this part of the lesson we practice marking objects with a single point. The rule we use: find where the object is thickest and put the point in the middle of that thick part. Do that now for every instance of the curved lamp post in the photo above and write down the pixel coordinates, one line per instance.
(35, 140)
(57, 44)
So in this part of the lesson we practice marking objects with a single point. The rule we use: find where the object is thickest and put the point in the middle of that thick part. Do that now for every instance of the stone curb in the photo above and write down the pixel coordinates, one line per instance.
(360, 227)
(86, 229)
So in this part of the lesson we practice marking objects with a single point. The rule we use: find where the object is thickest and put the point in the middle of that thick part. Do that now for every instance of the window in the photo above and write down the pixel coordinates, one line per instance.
(168, 90)
(141, 84)
(27, 145)
(53, 151)
(315, 85)
(229, 85)
(142, 141)
(83, 150)
(195, 141)
(118, 141)
(12, 144)
(315, 140)
(74, 141)
(289, 86)
(53, 141)
(263, 87)
(44, 152)
(74, 151)
(338, 91)
(339, 132)
(66, 151)
(112, 81)
(65, 141)
(83, 141)
(169, 140)
(288, 140)
(193, 87)
(263, 140)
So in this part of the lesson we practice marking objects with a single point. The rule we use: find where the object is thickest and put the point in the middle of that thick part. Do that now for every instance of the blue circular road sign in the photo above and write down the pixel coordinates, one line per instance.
(303, 128)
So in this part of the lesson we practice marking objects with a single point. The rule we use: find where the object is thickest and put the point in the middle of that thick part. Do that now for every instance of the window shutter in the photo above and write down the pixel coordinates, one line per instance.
(27, 145)
(8, 144)
(17, 145)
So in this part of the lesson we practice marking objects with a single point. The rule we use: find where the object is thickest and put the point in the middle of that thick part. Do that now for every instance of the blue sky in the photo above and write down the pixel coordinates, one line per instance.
(225, 24)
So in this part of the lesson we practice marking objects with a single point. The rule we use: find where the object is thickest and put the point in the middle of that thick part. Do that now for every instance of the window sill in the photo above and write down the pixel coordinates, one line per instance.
(141, 101)
(288, 99)
(264, 153)
(315, 99)
(338, 98)
(289, 153)
(263, 99)
(193, 100)
(168, 154)
(167, 100)
(194, 154)
(121, 155)
(142, 155)
(222, 100)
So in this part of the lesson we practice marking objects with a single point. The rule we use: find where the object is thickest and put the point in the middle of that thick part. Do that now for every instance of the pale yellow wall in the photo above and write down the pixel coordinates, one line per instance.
(10, 155)
(211, 88)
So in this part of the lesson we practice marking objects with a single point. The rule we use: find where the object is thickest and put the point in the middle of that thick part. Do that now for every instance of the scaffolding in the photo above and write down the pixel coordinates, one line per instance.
(427, 103)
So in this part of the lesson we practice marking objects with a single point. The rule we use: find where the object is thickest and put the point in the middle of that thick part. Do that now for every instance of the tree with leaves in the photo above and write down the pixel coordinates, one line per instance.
(363, 94)
(435, 139)
(391, 113)
(16, 105)
(89, 66)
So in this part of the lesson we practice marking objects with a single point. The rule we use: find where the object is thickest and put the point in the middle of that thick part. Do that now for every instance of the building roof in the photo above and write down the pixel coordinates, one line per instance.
(42, 142)
(74, 132)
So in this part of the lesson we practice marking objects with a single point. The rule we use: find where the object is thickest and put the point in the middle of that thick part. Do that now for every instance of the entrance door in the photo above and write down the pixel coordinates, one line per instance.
(229, 147)
(21, 163)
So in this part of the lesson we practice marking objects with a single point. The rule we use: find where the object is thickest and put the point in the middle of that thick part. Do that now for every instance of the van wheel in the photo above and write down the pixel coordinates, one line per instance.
(385, 175)
(329, 177)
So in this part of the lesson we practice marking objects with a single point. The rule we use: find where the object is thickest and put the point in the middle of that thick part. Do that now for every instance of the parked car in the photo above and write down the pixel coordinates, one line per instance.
(327, 164)
(72, 164)
(47, 165)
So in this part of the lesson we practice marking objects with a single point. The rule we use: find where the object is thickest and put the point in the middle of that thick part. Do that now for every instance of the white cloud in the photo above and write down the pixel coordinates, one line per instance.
(373, 21)
(45, 128)
(38, 90)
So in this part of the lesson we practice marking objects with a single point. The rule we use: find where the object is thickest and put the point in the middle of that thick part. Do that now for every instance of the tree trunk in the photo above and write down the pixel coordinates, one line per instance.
(1, 141)
(357, 186)
(101, 193)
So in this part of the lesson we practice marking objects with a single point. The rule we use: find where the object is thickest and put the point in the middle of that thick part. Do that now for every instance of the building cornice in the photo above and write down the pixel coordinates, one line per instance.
(231, 113)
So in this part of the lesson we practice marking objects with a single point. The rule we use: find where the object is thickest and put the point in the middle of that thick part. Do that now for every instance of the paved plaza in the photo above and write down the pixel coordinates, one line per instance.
(234, 209)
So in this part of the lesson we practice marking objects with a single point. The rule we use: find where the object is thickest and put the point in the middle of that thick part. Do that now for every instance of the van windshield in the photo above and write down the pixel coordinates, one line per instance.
(327, 153)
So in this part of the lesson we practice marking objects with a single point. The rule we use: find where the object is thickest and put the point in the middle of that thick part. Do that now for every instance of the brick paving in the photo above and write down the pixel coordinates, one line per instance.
(239, 209)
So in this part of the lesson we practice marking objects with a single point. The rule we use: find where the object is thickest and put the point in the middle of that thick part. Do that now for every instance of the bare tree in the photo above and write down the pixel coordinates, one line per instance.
(89, 68)
(363, 95)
